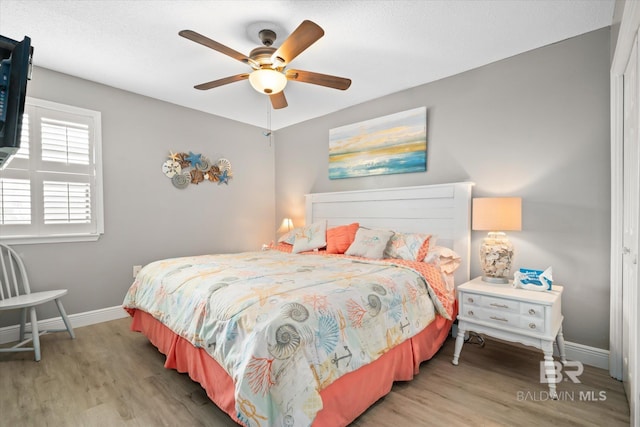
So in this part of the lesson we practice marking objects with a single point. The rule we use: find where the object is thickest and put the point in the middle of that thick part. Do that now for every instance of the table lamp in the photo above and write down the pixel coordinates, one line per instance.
(496, 215)
(286, 226)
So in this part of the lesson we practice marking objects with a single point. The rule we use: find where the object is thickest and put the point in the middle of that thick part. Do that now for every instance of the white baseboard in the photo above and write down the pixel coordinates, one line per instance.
(11, 333)
(591, 356)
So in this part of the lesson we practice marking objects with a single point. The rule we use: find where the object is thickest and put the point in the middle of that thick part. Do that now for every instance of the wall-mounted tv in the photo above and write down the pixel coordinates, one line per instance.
(15, 70)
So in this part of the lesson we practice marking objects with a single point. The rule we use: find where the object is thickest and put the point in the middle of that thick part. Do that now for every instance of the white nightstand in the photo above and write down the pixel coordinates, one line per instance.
(529, 317)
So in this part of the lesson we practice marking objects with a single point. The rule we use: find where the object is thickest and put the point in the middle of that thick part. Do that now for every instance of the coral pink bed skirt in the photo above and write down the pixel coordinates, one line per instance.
(341, 405)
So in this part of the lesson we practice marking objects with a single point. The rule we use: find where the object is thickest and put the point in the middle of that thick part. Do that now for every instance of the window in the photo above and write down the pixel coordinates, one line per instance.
(52, 189)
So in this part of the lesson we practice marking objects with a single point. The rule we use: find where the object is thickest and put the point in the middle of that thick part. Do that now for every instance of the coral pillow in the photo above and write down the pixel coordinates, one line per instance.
(340, 238)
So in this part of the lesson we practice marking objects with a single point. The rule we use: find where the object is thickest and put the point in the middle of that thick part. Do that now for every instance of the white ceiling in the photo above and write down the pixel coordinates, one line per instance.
(383, 46)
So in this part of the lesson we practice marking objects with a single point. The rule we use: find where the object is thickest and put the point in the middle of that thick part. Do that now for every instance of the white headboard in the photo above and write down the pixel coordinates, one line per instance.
(443, 210)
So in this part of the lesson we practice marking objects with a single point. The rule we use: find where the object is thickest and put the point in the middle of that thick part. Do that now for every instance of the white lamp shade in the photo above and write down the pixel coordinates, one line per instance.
(286, 226)
(266, 80)
(497, 214)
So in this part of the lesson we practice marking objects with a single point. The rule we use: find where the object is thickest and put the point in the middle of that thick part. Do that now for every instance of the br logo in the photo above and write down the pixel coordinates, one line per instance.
(571, 370)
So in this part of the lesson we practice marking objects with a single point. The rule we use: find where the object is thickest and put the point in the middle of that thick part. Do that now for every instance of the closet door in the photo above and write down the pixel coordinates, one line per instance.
(630, 222)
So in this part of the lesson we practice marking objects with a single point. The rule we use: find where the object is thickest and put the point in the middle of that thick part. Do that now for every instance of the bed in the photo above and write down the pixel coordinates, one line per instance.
(294, 336)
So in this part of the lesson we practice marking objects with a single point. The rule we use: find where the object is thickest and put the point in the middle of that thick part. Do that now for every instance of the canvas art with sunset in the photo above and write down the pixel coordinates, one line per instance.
(396, 143)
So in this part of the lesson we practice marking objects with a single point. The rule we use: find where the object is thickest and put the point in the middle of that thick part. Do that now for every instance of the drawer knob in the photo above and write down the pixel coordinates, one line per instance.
(532, 311)
(470, 313)
(493, 304)
(470, 299)
(532, 325)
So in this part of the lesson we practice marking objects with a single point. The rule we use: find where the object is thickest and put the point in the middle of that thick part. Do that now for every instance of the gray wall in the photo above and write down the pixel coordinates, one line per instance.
(146, 218)
(535, 125)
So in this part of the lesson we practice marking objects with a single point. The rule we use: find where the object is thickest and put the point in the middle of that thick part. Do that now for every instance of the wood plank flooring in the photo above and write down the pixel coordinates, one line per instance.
(109, 376)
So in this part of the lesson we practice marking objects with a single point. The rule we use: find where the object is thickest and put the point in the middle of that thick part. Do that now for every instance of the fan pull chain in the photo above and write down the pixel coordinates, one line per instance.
(268, 133)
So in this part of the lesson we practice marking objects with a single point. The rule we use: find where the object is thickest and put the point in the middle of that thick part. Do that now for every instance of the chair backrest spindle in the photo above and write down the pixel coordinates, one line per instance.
(13, 274)
(13, 262)
(4, 280)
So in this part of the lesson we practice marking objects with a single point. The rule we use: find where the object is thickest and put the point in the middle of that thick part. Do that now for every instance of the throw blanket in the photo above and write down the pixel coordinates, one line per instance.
(284, 326)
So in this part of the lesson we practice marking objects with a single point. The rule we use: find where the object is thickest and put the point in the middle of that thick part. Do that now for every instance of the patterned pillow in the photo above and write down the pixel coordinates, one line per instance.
(311, 237)
(409, 246)
(340, 238)
(369, 243)
(282, 247)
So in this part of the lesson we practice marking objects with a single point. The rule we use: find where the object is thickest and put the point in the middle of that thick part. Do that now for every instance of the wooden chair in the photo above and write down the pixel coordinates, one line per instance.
(15, 293)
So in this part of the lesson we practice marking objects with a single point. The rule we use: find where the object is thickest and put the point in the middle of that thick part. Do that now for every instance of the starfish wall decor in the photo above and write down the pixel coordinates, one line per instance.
(193, 168)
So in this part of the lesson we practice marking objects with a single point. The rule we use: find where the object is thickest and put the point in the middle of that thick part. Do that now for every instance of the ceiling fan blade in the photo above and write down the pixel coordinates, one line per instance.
(278, 100)
(319, 79)
(220, 82)
(205, 41)
(302, 37)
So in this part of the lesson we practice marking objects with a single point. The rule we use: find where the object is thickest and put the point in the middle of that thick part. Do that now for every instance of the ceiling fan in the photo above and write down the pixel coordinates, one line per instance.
(269, 75)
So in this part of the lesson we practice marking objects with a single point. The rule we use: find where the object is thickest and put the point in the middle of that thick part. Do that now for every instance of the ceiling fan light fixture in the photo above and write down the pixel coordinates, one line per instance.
(268, 81)
(268, 75)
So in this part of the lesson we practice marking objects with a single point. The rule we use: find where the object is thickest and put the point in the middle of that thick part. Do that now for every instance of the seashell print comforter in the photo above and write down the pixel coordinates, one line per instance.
(284, 326)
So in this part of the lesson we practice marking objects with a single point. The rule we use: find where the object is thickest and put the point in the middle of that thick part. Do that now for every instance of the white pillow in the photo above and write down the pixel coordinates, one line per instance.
(289, 237)
(446, 260)
(369, 243)
(311, 237)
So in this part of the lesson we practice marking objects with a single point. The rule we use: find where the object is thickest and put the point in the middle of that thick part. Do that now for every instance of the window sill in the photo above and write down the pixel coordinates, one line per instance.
(61, 238)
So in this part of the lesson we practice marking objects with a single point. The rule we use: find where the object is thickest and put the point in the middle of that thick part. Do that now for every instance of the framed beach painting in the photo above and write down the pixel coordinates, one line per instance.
(396, 143)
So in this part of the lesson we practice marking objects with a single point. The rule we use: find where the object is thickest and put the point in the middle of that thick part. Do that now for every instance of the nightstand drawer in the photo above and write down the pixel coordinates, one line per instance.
(491, 303)
(471, 299)
(506, 319)
(532, 324)
(503, 318)
(533, 310)
(501, 304)
(471, 311)
(500, 318)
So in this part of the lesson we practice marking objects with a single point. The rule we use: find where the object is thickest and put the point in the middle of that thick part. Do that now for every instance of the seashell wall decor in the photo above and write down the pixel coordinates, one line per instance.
(192, 168)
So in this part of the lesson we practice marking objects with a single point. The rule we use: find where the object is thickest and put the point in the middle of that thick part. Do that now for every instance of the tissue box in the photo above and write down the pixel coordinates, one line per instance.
(536, 280)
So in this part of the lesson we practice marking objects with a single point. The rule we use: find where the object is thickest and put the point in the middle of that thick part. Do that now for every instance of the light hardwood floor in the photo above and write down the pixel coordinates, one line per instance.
(109, 376)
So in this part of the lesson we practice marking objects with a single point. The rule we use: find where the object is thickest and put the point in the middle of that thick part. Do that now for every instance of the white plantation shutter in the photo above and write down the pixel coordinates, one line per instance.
(64, 142)
(52, 190)
(66, 203)
(15, 201)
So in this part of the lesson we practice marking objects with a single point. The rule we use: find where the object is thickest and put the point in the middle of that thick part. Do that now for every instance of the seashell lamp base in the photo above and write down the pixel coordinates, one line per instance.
(496, 255)
(498, 280)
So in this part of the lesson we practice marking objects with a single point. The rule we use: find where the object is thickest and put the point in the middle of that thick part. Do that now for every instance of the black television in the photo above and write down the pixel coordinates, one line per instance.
(15, 70)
